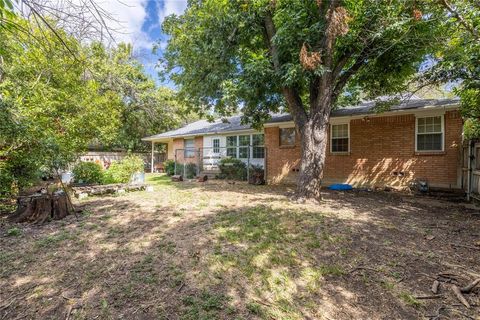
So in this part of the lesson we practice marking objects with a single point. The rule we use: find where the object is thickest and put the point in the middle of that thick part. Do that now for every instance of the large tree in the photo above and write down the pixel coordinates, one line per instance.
(457, 63)
(146, 108)
(308, 56)
(50, 109)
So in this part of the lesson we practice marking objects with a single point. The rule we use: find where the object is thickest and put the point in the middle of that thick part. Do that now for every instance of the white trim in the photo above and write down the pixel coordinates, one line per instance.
(442, 124)
(250, 144)
(434, 110)
(422, 110)
(331, 137)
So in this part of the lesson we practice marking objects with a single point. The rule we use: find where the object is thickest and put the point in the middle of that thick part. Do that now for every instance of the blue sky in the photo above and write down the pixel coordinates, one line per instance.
(139, 22)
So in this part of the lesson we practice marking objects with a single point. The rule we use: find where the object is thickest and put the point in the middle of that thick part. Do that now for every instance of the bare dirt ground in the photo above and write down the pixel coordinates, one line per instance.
(221, 251)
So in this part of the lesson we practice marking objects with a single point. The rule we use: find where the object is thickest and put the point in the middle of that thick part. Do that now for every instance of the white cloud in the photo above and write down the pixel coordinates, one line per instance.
(168, 7)
(128, 18)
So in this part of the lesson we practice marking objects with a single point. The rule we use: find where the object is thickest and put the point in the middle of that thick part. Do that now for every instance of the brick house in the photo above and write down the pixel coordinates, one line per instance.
(414, 139)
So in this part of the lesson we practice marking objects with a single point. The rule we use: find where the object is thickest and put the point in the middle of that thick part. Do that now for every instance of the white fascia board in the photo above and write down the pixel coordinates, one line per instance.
(427, 110)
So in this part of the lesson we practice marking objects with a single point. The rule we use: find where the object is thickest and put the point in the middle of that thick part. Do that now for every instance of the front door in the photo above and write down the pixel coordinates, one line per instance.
(212, 154)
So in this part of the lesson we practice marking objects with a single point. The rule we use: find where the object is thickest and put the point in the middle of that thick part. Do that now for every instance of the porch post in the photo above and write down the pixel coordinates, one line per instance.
(153, 148)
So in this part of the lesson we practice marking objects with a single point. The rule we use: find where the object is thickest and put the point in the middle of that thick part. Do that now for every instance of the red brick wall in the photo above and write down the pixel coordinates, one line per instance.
(379, 147)
(178, 144)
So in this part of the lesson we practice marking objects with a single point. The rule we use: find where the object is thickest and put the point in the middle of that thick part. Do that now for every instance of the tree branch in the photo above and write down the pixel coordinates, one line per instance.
(344, 77)
(460, 18)
(291, 95)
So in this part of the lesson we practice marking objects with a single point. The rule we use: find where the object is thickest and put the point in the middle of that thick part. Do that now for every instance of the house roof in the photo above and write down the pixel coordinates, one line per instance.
(234, 123)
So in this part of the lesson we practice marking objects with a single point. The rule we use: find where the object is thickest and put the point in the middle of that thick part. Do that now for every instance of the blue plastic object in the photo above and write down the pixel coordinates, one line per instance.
(340, 186)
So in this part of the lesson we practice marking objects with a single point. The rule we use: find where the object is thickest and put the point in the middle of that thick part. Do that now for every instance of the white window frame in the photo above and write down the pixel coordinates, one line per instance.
(188, 151)
(250, 145)
(331, 137)
(216, 149)
(442, 124)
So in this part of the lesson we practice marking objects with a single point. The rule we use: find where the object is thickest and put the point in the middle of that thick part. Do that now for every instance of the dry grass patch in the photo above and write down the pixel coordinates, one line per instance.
(220, 251)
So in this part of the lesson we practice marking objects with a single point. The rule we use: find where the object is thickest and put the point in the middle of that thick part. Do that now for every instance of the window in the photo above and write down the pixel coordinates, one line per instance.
(430, 133)
(232, 146)
(216, 145)
(189, 146)
(245, 146)
(287, 137)
(339, 138)
(258, 151)
(243, 142)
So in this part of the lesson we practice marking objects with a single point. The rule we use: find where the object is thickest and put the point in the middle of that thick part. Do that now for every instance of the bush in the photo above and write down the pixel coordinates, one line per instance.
(256, 175)
(169, 166)
(231, 168)
(189, 170)
(88, 172)
(122, 171)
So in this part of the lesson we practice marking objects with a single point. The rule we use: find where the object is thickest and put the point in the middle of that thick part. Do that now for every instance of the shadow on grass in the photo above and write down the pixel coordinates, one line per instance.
(265, 259)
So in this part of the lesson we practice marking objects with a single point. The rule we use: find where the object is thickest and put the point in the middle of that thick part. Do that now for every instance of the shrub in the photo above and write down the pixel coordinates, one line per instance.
(169, 166)
(190, 170)
(231, 168)
(256, 175)
(122, 171)
(88, 172)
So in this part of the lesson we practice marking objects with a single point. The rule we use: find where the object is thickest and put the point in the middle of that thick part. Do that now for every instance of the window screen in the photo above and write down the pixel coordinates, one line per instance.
(243, 142)
(232, 146)
(287, 136)
(339, 138)
(189, 146)
(258, 151)
(216, 145)
(429, 134)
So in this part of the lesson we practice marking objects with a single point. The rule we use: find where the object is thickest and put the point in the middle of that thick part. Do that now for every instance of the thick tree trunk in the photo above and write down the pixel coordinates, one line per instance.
(314, 135)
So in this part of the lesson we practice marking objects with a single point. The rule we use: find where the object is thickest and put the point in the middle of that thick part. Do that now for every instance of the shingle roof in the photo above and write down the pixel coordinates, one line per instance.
(234, 123)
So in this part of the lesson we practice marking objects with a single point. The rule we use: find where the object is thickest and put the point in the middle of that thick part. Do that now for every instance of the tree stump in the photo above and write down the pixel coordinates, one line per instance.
(41, 207)
(177, 178)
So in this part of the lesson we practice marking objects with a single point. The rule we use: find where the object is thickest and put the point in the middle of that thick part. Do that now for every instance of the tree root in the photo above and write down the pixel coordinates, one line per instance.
(468, 288)
(460, 296)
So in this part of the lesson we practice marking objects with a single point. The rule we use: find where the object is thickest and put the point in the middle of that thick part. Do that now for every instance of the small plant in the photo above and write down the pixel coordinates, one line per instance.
(14, 232)
(254, 308)
(410, 300)
(231, 168)
(88, 172)
(169, 166)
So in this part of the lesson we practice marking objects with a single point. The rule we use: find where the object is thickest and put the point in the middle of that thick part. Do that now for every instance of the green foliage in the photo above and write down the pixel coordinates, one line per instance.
(122, 171)
(457, 61)
(145, 109)
(220, 57)
(231, 168)
(14, 232)
(88, 172)
(55, 102)
(6, 13)
(50, 110)
(188, 170)
(169, 166)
